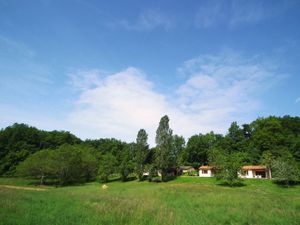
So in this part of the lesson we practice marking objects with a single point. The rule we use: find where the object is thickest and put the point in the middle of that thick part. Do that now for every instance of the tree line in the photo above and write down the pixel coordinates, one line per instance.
(64, 158)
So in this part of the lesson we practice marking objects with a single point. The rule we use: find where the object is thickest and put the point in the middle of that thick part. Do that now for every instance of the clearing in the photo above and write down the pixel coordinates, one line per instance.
(186, 200)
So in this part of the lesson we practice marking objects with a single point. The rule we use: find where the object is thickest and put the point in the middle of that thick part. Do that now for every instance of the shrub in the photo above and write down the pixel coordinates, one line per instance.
(286, 171)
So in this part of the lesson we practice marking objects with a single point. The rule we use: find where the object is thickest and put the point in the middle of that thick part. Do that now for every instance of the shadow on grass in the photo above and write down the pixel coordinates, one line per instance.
(285, 184)
(237, 184)
(159, 180)
(56, 183)
(116, 179)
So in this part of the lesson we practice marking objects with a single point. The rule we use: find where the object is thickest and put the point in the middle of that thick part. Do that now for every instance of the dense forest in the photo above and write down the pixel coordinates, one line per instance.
(28, 151)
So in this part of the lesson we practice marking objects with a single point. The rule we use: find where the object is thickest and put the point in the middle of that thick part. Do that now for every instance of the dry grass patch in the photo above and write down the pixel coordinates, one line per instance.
(23, 188)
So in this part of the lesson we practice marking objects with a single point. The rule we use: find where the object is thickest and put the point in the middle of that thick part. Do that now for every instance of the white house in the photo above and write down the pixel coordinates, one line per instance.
(247, 172)
(206, 171)
(255, 172)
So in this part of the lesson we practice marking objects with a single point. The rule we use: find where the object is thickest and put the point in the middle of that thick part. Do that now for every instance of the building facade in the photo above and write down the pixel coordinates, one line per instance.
(255, 172)
(246, 172)
(206, 171)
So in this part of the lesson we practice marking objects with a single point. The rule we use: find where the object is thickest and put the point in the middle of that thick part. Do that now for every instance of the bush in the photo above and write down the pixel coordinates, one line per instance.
(156, 179)
(286, 171)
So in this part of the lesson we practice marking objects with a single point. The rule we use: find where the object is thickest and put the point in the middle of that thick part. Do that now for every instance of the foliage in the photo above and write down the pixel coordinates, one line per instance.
(177, 149)
(38, 165)
(107, 167)
(227, 165)
(126, 166)
(196, 151)
(141, 152)
(106, 145)
(163, 158)
(19, 141)
(262, 141)
(68, 164)
(286, 170)
(152, 172)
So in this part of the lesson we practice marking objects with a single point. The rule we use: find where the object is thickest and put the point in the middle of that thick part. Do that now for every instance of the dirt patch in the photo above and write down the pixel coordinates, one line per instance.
(23, 188)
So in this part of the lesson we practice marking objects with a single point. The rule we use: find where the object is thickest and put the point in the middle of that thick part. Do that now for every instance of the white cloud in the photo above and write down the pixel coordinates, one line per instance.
(219, 89)
(147, 20)
(297, 100)
(119, 105)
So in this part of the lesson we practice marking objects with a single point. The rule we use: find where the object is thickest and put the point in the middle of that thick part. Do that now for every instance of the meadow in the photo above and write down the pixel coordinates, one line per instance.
(186, 200)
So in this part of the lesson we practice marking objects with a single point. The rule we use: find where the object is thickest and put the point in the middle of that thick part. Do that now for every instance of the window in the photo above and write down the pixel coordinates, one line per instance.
(204, 171)
(246, 172)
(260, 174)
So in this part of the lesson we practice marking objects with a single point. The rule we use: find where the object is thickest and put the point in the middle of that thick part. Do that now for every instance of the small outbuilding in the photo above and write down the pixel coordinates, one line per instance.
(206, 171)
(186, 169)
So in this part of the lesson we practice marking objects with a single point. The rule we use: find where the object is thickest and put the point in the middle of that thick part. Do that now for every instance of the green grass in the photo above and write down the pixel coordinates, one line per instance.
(186, 200)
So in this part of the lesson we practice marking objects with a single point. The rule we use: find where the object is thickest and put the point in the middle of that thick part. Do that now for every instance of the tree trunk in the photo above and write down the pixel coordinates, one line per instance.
(42, 180)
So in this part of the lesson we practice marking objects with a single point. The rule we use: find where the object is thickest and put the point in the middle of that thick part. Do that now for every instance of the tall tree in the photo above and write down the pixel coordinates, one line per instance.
(268, 136)
(197, 147)
(107, 167)
(163, 141)
(235, 138)
(126, 164)
(141, 153)
(177, 150)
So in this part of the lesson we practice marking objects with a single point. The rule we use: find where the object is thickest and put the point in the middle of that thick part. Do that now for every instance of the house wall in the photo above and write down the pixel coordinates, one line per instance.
(249, 175)
(252, 174)
(208, 174)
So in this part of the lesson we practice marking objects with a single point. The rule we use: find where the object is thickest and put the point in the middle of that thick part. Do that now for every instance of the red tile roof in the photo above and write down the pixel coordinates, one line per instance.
(205, 167)
(254, 167)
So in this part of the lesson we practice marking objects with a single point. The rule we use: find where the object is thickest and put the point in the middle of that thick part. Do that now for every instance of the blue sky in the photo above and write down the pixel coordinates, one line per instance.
(109, 68)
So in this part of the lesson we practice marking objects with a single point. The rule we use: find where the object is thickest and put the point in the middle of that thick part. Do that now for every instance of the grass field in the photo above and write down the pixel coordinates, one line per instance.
(186, 200)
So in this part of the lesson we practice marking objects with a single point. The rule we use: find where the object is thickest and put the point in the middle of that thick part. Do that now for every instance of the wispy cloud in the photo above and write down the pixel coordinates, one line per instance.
(9, 45)
(297, 100)
(224, 87)
(233, 13)
(28, 76)
(85, 79)
(218, 89)
(147, 20)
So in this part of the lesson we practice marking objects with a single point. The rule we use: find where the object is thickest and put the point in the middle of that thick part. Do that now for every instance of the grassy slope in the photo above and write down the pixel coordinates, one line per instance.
(187, 200)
